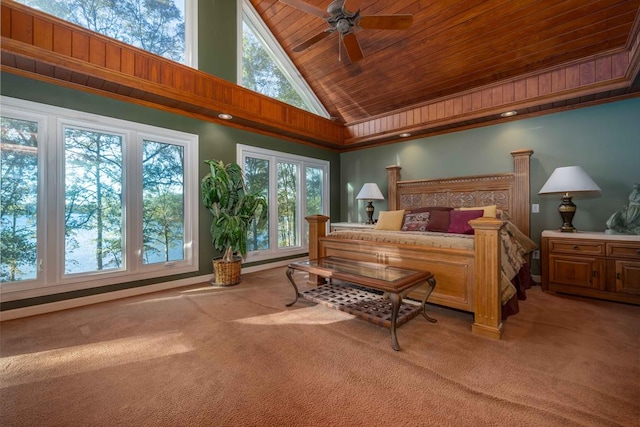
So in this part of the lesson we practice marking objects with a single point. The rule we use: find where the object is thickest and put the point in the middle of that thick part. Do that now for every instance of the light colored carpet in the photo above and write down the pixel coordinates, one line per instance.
(238, 357)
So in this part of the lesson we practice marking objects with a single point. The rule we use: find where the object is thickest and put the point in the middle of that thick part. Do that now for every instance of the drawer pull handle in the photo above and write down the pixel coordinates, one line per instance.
(618, 276)
(575, 247)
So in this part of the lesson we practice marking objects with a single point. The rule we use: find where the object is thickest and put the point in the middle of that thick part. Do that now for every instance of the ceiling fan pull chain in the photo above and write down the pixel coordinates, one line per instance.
(340, 47)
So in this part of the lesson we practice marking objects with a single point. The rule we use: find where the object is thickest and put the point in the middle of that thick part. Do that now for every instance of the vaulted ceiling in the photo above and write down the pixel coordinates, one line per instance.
(453, 47)
(459, 65)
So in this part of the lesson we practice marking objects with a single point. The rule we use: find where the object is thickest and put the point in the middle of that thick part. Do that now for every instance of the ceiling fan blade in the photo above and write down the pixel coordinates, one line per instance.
(386, 22)
(313, 40)
(306, 7)
(352, 46)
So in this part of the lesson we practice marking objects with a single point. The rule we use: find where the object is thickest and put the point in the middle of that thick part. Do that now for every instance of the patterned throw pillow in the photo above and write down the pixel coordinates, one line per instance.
(416, 221)
(459, 222)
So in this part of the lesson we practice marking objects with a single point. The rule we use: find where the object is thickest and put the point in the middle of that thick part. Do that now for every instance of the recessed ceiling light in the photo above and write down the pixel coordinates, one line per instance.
(405, 135)
(509, 113)
(224, 116)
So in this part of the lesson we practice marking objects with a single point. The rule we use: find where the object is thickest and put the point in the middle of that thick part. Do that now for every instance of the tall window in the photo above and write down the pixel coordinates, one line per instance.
(167, 28)
(295, 187)
(267, 69)
(89, 201)
(19, 199)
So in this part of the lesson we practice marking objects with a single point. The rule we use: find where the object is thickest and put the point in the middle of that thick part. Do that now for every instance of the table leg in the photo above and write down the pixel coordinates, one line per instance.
(396, 300)
(431, 282)
(295, 288)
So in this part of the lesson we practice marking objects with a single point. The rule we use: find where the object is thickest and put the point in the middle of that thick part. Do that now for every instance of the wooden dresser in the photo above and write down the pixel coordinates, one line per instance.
(592, 264)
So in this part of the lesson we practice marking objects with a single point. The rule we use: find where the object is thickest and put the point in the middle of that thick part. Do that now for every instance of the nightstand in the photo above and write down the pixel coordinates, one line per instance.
(592, 264)
(336, 226)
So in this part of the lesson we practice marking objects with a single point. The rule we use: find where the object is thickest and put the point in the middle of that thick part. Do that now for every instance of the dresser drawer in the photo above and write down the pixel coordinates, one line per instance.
(623, 250)
(576, 247)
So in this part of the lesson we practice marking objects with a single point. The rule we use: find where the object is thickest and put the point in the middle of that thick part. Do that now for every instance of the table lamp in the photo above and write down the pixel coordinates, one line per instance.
(565, 180)
(370, 192)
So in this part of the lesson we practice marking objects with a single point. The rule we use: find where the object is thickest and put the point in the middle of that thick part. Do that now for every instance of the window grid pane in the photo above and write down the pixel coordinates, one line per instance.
(287, 204)
(93, 201)
(157, 27)
(19, 200)
(256, 172)
(162, 202)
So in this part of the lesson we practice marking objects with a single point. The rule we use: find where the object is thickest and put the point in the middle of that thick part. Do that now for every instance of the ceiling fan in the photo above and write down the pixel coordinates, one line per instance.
(345, 23)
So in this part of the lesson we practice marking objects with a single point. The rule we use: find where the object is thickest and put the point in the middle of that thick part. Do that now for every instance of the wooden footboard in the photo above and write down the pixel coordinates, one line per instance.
(467, 280)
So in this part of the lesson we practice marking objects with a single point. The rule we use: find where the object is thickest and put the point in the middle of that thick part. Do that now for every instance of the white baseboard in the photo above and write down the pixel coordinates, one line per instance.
(125, 293)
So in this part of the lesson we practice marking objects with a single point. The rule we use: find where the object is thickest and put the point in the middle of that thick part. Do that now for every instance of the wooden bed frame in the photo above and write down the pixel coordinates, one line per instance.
(468, 280)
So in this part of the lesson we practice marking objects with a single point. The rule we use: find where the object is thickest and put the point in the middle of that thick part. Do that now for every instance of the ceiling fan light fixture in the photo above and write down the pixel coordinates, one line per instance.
(509, 113)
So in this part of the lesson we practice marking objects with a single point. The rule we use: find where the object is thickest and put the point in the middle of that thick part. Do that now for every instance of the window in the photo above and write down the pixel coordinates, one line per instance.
(89, 201)
(167, 28)
(295, 187)
(266, 68)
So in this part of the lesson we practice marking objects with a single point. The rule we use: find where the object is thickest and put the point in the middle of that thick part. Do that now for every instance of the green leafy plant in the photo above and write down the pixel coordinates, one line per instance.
(233, 209)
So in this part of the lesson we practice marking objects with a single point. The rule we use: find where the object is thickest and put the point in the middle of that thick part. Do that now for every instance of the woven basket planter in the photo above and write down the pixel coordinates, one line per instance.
(226, 273)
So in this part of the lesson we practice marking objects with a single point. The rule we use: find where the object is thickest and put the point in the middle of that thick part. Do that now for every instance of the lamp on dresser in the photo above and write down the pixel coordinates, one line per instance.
(565, 180)
(370, 191)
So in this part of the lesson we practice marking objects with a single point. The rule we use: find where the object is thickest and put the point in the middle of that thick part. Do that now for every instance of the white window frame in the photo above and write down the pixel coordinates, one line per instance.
(302, 162)
(51, 278)
(277, 54)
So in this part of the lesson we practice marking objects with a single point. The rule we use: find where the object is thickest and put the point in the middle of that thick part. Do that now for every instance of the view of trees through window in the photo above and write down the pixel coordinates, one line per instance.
(157, 26)
(122, 198)
(294, 186)
(19, 199)
(261, 74)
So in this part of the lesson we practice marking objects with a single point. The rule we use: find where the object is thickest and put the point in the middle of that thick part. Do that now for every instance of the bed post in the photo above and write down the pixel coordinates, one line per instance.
(317, 229)
(393, 176)
(487, 277)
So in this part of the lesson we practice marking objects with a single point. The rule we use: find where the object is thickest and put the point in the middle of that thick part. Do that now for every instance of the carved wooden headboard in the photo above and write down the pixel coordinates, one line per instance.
(509, 191)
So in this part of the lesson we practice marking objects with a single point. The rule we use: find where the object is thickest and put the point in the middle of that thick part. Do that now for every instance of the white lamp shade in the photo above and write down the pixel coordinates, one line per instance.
(569, 179)
(370, 191)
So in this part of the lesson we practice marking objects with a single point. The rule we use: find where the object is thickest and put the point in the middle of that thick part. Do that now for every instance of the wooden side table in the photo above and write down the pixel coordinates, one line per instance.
(592, 264)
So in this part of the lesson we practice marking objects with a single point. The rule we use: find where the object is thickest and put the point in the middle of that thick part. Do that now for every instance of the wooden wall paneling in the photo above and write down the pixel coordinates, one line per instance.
(113, 57)
(43, 34)
(21, 26)
(97, 52)
(5, 19)
(80, 46)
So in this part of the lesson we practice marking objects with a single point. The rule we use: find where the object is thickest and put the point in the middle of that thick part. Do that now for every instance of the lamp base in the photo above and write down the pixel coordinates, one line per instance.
(567, 210)
(370, 210)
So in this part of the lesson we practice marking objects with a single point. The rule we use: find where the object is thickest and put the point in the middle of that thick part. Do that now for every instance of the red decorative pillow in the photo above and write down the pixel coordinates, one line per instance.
(459, 222)
(415, 221)
(438, 221)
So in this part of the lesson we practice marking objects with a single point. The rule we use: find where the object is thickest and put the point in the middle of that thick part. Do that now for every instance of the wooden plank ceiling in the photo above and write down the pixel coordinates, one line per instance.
(453, 46)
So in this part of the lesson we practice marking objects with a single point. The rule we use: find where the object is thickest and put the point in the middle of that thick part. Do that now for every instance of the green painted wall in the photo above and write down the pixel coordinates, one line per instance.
(604, 140)
(217, 35)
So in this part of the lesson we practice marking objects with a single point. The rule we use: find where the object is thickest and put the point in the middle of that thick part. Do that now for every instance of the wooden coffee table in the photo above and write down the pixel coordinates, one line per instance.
(368, 290)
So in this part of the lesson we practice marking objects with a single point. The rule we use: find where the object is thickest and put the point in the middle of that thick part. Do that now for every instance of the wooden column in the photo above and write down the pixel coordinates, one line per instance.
(393, 176)
(317, 229)
(487, 275)
(522, 192)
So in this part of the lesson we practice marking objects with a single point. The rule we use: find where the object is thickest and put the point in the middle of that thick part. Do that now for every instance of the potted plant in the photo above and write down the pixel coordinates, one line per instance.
(233, 209)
